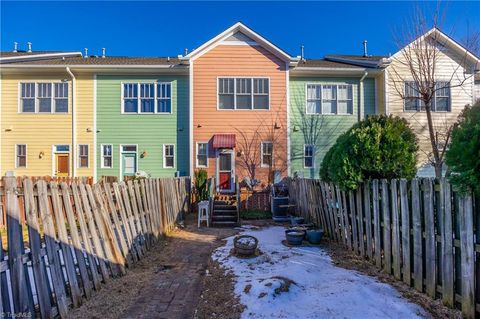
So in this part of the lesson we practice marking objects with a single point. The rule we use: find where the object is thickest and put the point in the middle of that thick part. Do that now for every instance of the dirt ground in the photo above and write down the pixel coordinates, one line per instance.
(167, 283)
(178, 279)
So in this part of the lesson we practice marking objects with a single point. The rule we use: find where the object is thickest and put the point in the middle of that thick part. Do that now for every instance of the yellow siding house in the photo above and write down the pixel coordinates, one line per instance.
(46, 117)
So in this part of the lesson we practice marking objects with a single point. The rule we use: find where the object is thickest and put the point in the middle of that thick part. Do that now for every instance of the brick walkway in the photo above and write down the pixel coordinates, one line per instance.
(165, 284)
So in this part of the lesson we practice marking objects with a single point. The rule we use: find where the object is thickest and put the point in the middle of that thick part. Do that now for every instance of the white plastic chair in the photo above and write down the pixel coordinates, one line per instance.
(203, 209)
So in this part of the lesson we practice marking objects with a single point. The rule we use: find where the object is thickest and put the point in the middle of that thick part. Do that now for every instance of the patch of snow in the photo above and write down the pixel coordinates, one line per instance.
(318, 289)
(246, 241)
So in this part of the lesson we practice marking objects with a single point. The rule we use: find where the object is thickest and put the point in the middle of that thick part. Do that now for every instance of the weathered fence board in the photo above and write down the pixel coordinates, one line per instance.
(421, 230)
(77, 237)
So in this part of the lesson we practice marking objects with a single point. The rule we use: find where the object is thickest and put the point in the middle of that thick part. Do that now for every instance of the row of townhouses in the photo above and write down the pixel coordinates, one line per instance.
(236, 103)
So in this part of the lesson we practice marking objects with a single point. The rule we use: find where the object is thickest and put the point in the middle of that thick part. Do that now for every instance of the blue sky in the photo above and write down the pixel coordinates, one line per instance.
(167, 28)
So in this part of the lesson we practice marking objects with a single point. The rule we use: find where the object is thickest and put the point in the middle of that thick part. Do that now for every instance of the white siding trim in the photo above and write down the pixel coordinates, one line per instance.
(190, 119)
(287, 83)
(95, 128)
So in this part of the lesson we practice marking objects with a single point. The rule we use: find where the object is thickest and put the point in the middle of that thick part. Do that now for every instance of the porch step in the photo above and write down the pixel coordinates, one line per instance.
(224, 218)
(224, 212)
(224, 223)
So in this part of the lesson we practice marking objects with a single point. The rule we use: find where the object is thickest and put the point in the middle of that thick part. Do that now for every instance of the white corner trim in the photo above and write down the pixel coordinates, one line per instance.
(287, 83)
(95, 148)
(191, 101)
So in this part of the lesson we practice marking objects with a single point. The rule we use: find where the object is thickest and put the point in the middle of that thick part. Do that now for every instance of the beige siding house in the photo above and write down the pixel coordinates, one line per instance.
(455, 68)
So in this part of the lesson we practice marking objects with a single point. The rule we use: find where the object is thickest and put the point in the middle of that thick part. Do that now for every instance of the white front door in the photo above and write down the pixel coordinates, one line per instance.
(225, 170)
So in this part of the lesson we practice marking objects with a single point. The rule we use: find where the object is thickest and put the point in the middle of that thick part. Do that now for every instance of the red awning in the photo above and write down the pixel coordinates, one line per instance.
(224, 141)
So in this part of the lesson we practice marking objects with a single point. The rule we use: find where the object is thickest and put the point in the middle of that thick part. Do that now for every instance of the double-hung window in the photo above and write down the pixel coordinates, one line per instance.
(83, 155)
(164, 97)
(267, 152)
(202, 154)
(147, 98)
(441, 101)
(226, 94)
(243, 93)
(308, 156)
(168, 156)
(27, 99)
(61, 98)
(130, 98)
(20, 155)
(44, 97)
(345, 99)
(107, 153)
(442, 96)
(329, 99)
(261, 94)
(314, 99)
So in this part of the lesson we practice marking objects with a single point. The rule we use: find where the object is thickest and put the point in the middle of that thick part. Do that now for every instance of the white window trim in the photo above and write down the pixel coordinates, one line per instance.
(88, 156)
(16, 156)
(434, 100)
(155, 98)
(262, 164)
(321, 99)
(235, 93)
(313, 155)
(102, 156)
(164, 156)
(36, 104)
(196, 155)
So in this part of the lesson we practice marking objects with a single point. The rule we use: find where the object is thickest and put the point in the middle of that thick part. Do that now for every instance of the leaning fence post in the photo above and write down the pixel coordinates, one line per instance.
(467, 256)
(20, 291)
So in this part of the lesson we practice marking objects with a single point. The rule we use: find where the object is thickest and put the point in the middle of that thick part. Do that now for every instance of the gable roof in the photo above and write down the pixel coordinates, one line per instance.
(246, 32)
(448, 42)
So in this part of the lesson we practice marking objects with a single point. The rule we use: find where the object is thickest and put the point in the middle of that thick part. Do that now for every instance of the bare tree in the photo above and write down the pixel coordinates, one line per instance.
(417, 79)
(250, 141)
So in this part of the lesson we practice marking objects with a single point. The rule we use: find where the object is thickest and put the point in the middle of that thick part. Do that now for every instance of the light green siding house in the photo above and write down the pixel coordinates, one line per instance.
(322, 107)
(142, 125)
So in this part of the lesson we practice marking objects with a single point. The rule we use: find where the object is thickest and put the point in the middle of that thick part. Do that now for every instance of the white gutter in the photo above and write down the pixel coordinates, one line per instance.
(361, 102)
(74, 121)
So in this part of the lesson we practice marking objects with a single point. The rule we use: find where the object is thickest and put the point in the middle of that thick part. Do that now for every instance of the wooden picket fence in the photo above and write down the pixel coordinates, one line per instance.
(79, 236)
(420, 231)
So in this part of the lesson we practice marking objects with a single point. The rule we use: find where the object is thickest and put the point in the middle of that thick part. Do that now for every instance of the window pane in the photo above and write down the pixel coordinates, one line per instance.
(130, 90)
(244, 102)
(260, 86)
(22, 161)
(28, 90)
(260, 102)
(61, 105)
(308, 162)
(148, 106)
(61, 90)
(226, 101)
(313, 92)
(107, 161)
(345, 107)
(225, 86)
(329, 107)
(107, 150)
(410, 104)
(202, 160)
(169, 162)
(129, 148)
(44, 105)
(28, 105)
(442, 104)
(62, 148)
(164, 106)
(131, 106)
(83, 161)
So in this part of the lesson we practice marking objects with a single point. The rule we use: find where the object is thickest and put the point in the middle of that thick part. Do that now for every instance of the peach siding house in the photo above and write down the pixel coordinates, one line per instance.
(239, 107)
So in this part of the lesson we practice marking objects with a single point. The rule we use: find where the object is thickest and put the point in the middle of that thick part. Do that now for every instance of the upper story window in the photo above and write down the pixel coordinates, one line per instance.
(44, 97)
(441, 101)
(147, 98)
(329, 99)
(243, 93)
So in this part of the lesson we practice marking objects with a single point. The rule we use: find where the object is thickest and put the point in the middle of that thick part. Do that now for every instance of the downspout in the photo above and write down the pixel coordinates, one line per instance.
(74, 121)
(361, 101)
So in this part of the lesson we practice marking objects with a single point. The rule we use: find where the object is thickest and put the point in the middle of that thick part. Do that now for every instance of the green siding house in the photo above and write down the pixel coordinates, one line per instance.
(322, 107)
(142, 125)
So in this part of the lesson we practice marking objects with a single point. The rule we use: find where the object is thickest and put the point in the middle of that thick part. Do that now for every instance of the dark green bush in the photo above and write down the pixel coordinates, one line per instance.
(377, 147)
(201, 184)
(463, 156)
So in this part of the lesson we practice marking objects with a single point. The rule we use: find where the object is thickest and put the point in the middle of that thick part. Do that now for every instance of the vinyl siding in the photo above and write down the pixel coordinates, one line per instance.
(448, 64)
(240, 61)
(148, 131)
(323, 130)
(40, 132)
